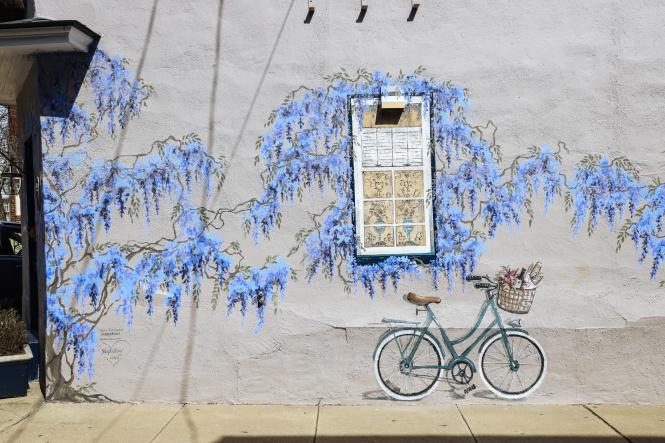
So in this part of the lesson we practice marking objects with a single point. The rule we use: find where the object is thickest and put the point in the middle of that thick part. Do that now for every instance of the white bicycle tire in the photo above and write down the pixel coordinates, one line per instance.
(388, 339)
(498, 393)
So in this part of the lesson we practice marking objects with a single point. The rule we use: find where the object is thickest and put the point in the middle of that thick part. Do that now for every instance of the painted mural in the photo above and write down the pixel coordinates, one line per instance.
(94, 270)
(308, 148)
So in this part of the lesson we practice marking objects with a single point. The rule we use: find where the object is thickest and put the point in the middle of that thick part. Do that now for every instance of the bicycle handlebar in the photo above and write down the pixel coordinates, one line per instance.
(482, 285)
(473, 277)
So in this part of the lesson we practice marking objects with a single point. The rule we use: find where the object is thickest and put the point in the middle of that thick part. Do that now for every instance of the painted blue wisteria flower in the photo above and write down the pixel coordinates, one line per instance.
(88, 274)
(308, 146)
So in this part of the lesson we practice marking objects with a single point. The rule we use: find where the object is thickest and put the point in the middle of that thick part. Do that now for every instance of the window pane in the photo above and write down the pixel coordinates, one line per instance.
(415, 144)
(410, 211)
(409, 183)
(12, 242)
(15, 246)
(377, 184)
(384, 146)
(379, 212)
(370, 154)
(379, 236)
(411, 235)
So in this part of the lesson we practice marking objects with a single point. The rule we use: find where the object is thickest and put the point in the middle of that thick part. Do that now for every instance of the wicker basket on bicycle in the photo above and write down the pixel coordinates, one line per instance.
(516, 291)
(515, 300)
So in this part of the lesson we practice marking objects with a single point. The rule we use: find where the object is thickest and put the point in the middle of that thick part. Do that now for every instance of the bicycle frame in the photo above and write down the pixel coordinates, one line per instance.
(449, 343)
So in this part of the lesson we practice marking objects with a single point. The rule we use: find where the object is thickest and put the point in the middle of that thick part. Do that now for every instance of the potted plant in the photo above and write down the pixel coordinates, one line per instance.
(15, 355)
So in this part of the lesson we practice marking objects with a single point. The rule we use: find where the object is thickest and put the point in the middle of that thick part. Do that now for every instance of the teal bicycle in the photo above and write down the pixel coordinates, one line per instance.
(409, 360)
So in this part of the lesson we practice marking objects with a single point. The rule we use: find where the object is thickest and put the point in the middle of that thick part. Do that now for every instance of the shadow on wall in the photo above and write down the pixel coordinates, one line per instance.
(60, 79)
(259, 85)
(139, 70)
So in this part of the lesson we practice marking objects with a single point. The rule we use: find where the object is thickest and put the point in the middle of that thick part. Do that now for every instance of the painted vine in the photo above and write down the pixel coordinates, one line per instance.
(307, 146)
(90, 273)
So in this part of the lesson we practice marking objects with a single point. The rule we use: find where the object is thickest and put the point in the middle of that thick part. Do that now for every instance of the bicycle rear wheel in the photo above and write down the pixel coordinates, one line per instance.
(397, 378)
(512, 382)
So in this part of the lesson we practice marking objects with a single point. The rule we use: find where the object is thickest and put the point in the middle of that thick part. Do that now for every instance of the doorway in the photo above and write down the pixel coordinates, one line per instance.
(19, 226)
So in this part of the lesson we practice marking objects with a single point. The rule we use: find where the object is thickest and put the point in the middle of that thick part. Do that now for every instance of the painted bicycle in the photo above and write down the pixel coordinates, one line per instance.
(409, 360)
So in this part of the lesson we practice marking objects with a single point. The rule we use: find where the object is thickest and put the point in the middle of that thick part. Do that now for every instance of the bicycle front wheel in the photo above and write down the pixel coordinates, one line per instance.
(519, 379)
(396, 376)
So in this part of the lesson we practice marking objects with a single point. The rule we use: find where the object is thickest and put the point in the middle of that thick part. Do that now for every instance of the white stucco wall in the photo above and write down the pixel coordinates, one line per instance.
(591, 74)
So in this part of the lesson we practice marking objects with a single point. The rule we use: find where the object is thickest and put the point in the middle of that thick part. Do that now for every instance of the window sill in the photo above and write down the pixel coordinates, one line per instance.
(373, 259)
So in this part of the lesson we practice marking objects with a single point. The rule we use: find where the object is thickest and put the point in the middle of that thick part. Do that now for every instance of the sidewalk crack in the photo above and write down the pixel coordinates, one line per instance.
(30, 414)
(607, 423)
(316, 426)
(467, 424)
(167, 423)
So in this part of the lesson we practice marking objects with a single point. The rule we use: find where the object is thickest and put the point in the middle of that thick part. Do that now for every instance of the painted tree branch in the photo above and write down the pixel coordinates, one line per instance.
(307, 145)
(88, 276)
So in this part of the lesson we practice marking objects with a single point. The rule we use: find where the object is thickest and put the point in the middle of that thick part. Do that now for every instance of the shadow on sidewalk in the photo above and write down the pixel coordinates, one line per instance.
(433, 439)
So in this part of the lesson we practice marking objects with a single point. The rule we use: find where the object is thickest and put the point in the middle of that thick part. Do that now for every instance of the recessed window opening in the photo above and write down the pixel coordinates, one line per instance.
(393, 176)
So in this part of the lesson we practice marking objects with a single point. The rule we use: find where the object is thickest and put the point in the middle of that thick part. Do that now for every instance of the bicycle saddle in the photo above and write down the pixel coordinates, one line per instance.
(422, 300)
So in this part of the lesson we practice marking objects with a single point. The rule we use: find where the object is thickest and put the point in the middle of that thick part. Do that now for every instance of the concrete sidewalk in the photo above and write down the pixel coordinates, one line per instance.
(31, 420)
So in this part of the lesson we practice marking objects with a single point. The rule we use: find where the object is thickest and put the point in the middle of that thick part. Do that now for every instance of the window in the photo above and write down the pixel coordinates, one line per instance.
(12, 242)
(393, 176)
(17, 206)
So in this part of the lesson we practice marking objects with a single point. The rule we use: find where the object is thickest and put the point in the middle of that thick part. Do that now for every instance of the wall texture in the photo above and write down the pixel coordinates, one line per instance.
(590, 75)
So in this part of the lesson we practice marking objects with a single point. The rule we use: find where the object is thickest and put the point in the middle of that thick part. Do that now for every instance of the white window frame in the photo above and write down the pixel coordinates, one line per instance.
(358, 168)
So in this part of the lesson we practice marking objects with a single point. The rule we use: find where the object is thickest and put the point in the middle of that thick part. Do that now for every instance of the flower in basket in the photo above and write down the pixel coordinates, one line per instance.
(523, 279)
(507, 277)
